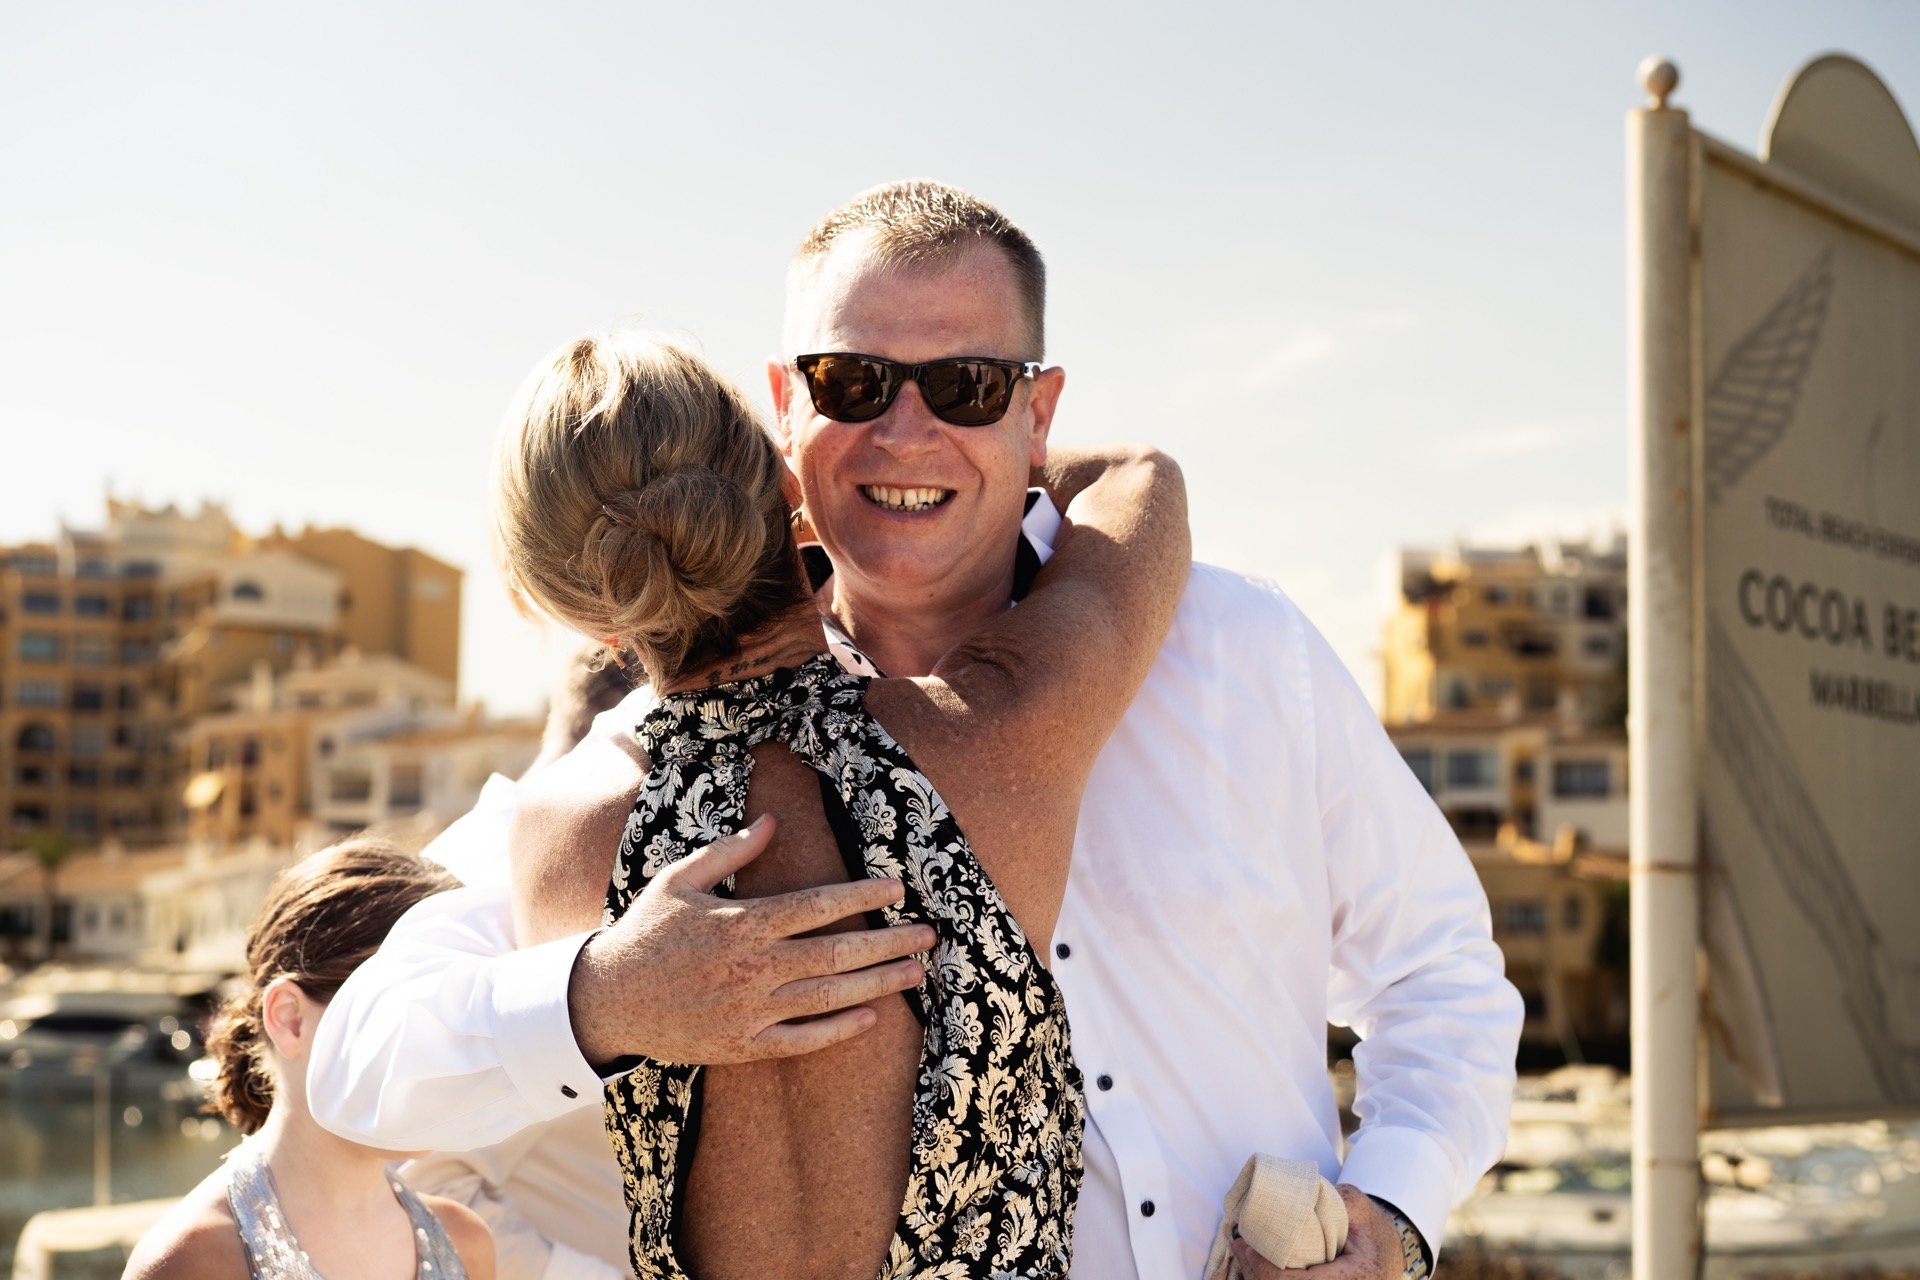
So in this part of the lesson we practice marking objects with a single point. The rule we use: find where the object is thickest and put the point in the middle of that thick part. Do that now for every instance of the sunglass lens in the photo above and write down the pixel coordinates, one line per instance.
(967, 393)
(848, 389)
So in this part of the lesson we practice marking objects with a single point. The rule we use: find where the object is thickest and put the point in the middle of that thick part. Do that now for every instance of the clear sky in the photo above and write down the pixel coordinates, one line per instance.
(1360, 267)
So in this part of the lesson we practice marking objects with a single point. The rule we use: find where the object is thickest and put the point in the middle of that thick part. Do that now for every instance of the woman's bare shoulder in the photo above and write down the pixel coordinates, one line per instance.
(469, 1234)
(596, 779)
(197, 1240)
(566, 828)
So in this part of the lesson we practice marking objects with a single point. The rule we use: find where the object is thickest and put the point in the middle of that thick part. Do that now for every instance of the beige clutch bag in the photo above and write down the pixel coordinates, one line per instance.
(1291, 1216)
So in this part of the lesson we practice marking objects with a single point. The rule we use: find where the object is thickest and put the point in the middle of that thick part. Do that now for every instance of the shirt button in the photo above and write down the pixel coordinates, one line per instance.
(1146, 1208)
(1105, 1083)
(567, 1091)
(1062, 950)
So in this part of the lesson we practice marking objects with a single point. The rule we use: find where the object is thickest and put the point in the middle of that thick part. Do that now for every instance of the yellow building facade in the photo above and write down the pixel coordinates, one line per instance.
(116, 644)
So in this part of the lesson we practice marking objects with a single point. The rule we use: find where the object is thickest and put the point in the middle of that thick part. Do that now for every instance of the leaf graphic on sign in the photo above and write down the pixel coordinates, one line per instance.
(1806, 860)
(1751, 398)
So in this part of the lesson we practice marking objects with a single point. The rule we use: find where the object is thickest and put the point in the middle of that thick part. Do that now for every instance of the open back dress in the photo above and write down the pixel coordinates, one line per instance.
(997, 1107)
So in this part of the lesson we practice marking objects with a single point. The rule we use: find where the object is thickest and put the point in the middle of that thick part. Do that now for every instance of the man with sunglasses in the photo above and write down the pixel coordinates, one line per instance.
(1253, 858)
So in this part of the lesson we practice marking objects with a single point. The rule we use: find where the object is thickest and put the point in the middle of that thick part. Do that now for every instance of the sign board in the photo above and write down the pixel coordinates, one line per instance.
(1807, 624)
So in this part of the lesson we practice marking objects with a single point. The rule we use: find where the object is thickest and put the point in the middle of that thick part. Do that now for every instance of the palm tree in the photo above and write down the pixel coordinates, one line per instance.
(49, 849)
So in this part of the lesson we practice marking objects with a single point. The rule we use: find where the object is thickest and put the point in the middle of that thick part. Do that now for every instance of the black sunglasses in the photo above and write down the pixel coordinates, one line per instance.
(967, 391)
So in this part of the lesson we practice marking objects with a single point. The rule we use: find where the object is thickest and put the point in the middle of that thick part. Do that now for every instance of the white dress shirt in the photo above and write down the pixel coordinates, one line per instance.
(1253, 861)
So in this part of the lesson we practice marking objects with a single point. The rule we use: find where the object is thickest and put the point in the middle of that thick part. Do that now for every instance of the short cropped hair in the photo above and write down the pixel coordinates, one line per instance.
(922, 223)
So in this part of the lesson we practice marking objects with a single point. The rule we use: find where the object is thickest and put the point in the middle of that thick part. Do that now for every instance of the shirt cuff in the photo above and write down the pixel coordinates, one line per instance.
(1409, 1170)
(533, 1031)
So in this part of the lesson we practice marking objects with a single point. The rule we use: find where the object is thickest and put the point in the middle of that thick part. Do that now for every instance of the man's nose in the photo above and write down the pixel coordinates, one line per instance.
(908, 428)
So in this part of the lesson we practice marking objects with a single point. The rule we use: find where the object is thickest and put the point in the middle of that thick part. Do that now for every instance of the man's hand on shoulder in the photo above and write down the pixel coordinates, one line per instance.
(1372, 1251)
(688, 976)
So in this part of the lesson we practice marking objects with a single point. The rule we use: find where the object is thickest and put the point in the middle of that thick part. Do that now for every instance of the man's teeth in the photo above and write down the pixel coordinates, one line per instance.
(905, 499)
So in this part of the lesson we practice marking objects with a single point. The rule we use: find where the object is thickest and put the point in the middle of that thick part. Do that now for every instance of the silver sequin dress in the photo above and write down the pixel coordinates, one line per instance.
(274, 1253)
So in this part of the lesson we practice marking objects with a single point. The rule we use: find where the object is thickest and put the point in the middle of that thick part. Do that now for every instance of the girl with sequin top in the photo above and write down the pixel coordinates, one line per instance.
(292, 1201)
(641, 502)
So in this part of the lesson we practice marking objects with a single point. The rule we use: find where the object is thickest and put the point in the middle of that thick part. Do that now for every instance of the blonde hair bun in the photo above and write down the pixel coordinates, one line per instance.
(663, 574)
(638, 499)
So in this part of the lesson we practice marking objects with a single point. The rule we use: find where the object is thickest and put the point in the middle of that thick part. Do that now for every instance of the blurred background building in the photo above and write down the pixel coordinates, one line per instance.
(1504, 688)
(184, 708)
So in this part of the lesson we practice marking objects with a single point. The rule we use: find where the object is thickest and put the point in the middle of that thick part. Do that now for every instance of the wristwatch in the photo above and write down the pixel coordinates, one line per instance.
(1419, 1261)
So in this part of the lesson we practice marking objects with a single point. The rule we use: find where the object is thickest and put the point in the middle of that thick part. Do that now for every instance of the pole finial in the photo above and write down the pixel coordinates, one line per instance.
(1659, 77)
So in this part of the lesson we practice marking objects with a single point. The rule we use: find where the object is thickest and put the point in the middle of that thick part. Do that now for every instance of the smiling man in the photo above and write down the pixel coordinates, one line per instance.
(1253, 860)
(919, 510)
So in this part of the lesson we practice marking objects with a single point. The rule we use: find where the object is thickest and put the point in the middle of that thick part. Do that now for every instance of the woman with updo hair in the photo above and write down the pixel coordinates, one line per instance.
(292, 1201)
(640, 501)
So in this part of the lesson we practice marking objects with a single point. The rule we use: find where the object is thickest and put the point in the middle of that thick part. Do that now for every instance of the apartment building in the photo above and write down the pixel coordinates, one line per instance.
(1509, 632)
(113, 643)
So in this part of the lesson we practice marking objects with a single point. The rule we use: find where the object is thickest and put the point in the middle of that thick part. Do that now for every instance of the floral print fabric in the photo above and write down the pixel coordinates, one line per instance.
(997, 1112)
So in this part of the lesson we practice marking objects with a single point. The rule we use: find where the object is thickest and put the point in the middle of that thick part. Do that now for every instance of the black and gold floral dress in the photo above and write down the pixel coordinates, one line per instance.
(997, 1108)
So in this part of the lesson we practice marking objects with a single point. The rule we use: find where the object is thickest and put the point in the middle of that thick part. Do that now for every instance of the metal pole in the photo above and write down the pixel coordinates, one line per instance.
(1663, 844)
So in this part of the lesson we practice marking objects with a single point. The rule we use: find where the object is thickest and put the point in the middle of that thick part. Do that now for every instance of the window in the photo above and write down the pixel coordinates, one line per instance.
(247, 590)
(92, 607)
(1598, 647)
(140, 569)
(1499, 595)
(36, 564)
(129, 737)
(216, 754)
(1528, 916)
(40, 602)
(83, 820)
(128, 775)
(36, 737)
(93, 567)
(135, 652)
(1420, 764)
(1472, 768)
(1582, 778)
(39, 646)
(349, 786)
(1597, 604)
(1573, 912)
(30, 775)
(137, 608)
(91, 651)
(89, 697)
(249, 802)
(249, 752)
(129, 697)
(1473, 639)
(83, 775)
(1495, 686)
(1457, 693)
(27, 817)
(282, 643)
(37, 693)
(87, 742)
(406, 787)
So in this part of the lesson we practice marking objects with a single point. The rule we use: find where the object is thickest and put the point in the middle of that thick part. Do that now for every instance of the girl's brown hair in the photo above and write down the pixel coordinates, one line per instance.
(637, 498)
(322, 917)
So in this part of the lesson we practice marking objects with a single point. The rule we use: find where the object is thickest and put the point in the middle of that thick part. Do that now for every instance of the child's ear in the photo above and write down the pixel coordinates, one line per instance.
(289, 1017)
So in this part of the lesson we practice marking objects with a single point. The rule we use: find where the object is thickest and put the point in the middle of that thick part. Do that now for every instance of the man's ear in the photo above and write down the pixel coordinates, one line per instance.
(1047, 386)
(289, 1017)
(780, 383)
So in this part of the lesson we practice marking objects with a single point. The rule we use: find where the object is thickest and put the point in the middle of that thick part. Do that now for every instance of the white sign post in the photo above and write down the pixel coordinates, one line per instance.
(1774, 632)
